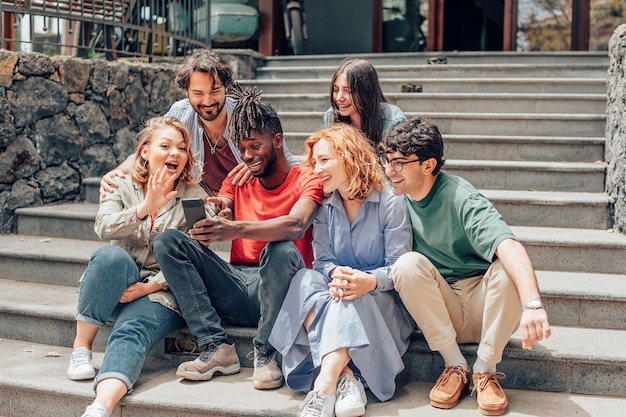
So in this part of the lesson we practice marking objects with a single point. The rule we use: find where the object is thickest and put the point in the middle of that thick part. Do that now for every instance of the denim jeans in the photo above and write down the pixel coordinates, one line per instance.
(138, 324)
(209, 289)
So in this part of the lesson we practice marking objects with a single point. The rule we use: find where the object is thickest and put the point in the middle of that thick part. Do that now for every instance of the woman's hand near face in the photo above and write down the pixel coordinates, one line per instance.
(159, 192)
(349, 284)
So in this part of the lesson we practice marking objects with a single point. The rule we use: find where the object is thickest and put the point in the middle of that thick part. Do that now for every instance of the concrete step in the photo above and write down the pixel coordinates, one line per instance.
(525, 208)
(90, 187)
(459, 102)
(580, 299)
(500, 147)
(43, 259)
(62, 261)
(412, 58)
(387, 70)
(588, 300)
(69, 220)
(574, 250)
(54, 260)
(30, 372)
(510, 124)
(436, 84)
(552, 209)
(526, 175)
(50, 317)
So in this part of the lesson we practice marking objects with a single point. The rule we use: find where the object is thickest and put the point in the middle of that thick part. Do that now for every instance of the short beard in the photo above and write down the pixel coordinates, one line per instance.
(212, 116)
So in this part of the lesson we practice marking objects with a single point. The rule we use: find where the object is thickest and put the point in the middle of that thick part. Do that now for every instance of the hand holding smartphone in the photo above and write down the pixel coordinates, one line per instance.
(194, 211)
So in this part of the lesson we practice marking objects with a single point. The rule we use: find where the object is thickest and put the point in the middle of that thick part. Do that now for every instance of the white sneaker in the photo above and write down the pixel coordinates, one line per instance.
(351, 398)
(316, 404)
(95, 410)
(81, 365)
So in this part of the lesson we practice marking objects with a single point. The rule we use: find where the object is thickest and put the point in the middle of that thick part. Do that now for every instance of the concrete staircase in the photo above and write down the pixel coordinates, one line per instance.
(526, 129)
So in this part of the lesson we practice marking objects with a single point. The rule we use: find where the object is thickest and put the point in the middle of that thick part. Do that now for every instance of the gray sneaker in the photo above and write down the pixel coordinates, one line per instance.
(222, 359)
(316, 404)
(95, 410)
(267, 374)
(351, 398)
(81, 365)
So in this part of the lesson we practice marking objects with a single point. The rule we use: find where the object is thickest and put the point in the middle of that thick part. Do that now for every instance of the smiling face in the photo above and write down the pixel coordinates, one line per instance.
(342, 97)
(415, 179)
(206, 95)
(328, 166)
(259, 153)
(168, 150)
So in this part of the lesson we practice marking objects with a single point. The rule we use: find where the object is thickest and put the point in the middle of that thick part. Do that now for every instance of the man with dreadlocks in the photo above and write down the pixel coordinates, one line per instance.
(206, 79)
(268, 221)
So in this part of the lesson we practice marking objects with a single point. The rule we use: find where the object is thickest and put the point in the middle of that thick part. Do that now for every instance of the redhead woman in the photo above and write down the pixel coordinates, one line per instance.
(342, 325)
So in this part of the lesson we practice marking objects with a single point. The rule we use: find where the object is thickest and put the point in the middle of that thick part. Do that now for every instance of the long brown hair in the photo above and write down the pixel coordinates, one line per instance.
(367, 97)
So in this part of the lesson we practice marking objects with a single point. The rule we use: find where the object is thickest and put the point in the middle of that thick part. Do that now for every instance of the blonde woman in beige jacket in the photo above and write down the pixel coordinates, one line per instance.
(123, 281)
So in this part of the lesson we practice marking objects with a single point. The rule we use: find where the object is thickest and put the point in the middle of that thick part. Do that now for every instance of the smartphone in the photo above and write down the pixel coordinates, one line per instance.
(194, 210)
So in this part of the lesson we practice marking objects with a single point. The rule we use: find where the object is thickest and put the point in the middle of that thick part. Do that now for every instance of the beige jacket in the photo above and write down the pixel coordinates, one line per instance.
(117, 221)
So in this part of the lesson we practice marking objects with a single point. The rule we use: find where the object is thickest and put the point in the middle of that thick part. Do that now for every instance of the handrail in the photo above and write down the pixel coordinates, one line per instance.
(113, 28)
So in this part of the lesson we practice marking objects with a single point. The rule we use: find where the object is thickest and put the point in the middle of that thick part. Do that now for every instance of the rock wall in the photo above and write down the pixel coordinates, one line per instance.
(65, 119)
(615, 151)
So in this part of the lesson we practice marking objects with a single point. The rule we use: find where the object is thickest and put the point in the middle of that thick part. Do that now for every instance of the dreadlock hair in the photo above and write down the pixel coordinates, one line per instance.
(419, 137)
(251, 113)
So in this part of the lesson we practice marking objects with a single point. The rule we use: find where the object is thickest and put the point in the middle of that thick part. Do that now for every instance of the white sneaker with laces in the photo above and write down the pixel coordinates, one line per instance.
(81, 365)
(95, 410)
(351, 398)
(317, 404)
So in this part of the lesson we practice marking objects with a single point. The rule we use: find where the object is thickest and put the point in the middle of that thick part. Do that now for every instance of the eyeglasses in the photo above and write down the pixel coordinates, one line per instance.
(396, 164)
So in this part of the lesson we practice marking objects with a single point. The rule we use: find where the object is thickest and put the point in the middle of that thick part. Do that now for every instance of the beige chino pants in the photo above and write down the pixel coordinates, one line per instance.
(484, 309)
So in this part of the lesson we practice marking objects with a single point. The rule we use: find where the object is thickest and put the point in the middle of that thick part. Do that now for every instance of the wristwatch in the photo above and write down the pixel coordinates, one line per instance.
(533, 304)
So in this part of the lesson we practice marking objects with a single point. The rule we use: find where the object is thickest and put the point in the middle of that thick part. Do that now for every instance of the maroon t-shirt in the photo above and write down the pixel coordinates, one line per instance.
(217, 165)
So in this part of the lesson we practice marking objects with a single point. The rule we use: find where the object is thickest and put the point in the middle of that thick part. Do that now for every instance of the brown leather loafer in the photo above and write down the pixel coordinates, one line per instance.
(452, 383)
(491, 398)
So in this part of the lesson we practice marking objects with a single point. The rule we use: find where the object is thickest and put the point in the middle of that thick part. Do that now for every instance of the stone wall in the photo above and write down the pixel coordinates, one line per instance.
(615, 153)
(65, 119)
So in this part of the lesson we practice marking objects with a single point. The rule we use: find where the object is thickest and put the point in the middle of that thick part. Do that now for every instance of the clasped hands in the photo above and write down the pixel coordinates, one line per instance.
(349, 284)
(217, 226)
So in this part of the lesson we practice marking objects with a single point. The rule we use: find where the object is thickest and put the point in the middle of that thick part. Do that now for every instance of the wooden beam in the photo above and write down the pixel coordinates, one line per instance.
(377, 26)
(8, 31)
(269, 33)
(581, 14)
(509, 31)
(434, 41)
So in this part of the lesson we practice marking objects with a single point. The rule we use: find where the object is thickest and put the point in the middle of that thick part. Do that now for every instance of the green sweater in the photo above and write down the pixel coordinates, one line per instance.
(457, 228)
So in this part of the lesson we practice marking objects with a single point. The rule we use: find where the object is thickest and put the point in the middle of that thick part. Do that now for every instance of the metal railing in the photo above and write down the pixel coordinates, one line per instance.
(108, 29)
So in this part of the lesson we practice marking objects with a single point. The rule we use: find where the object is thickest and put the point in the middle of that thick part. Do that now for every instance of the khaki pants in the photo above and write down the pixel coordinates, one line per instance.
(484, 309)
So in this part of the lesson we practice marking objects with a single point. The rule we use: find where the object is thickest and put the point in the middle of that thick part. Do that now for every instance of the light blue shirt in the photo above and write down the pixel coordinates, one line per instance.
(379, 234)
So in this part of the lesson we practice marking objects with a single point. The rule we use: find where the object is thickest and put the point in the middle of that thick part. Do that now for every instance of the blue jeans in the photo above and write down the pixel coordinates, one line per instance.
(209, 289)
(138, 324)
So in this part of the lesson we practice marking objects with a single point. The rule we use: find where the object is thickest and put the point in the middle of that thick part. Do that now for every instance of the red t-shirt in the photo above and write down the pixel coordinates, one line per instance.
(255, 203)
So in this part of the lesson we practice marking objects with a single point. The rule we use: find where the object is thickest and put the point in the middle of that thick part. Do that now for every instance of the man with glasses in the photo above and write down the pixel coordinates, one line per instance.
(205, 78)
(468, 279)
